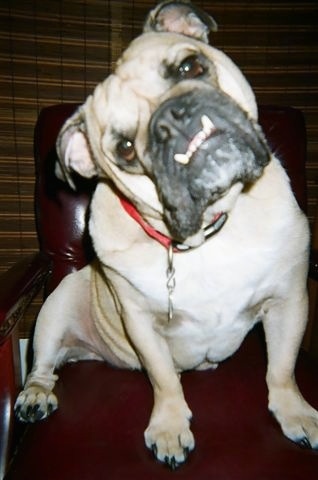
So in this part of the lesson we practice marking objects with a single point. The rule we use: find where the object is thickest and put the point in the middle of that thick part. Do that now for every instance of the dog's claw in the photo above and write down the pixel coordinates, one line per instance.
(17, 411)
(154, 449)
(186, 452)
(33, 413)
(29, 414)
(304, 442)
(50, 408)
(171, 462)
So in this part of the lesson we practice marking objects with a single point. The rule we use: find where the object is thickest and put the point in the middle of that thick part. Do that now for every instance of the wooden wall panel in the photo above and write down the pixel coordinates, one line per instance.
(55, 51)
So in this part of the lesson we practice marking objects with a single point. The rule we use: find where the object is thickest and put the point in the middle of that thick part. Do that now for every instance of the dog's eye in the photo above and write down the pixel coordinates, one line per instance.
(126, 150)
(191, 67)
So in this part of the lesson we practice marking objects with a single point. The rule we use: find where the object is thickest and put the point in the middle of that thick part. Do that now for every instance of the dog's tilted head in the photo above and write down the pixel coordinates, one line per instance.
(175, 127)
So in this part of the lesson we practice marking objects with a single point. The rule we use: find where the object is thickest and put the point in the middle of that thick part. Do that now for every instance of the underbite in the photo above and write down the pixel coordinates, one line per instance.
(208, 128)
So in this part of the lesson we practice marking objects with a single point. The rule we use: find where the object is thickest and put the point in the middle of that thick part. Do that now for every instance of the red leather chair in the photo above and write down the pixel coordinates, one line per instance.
(97, 431)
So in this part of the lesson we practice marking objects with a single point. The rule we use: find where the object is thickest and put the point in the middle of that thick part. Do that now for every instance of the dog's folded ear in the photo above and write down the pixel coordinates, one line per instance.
(73, 150)
(180, 17)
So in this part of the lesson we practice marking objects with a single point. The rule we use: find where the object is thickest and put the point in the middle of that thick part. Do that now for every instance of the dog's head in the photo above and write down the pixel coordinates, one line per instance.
(174, 127)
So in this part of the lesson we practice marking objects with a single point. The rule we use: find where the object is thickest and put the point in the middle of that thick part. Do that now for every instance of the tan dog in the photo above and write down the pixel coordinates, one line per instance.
(174, 139)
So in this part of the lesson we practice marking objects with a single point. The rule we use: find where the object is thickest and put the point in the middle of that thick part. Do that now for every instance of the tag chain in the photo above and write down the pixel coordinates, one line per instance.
(171, 282)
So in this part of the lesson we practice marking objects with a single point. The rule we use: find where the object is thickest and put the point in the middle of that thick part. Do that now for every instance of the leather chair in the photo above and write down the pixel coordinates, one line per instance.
(97, 432)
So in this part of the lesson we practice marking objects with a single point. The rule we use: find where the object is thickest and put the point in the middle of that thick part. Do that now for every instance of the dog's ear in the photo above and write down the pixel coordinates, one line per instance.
(180, 17)
(73, 150)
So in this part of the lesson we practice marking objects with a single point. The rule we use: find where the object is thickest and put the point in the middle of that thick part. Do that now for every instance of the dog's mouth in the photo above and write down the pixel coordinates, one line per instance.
(208, 129)
(200, 145)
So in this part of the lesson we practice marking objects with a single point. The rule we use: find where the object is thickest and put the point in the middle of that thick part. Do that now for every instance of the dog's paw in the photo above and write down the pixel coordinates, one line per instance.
(298, 421)
(35, 403)
(301, 428)
(170, 438)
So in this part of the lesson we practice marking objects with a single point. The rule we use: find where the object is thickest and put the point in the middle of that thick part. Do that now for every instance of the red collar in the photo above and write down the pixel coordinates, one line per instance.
(217, 223)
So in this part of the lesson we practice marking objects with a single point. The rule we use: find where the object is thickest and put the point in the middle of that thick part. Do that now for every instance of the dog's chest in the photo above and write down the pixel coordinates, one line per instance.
(214, 308)
(218, 297)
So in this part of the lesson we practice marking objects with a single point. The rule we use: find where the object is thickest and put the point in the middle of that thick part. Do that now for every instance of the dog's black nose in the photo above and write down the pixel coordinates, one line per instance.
(173, 125)
(168, 121)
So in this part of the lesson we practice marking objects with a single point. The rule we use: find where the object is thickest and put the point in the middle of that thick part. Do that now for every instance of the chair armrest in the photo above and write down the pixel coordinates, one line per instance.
(18, 286)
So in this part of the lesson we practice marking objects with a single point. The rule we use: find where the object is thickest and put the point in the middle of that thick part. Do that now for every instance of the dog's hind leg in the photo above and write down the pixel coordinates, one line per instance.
(284, 326)
(51, 346)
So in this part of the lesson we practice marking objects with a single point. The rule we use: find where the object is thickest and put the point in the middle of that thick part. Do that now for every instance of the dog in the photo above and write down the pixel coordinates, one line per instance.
(197, 234)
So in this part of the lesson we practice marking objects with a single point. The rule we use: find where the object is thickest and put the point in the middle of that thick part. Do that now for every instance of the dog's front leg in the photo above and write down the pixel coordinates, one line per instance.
(168, 434)
(69, 303)
(37, 400)
(284, 326)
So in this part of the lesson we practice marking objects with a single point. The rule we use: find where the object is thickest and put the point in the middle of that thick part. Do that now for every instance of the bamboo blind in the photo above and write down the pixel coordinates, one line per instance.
(57, 50)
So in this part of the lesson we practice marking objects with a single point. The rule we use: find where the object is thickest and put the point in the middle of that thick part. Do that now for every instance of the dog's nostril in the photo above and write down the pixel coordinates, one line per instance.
(163, 131)
(178, 112)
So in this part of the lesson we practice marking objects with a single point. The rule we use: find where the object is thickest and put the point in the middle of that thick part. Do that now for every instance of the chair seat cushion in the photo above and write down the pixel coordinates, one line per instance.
(97, 432)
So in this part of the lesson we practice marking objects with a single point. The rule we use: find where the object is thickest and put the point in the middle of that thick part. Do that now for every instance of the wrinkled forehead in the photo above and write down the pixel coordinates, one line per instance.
(145, 63)
(133, 91)
(116, 106)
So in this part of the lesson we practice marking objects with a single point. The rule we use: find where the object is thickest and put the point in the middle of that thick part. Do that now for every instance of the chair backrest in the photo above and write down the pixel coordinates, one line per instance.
(61, 214)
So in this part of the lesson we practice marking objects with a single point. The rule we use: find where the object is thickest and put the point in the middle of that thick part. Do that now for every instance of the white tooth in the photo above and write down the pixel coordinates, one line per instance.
(182, 158)
(207, 124)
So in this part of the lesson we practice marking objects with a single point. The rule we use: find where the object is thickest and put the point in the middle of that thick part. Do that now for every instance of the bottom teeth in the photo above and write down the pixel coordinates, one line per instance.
(182, 158)
(207, 128)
